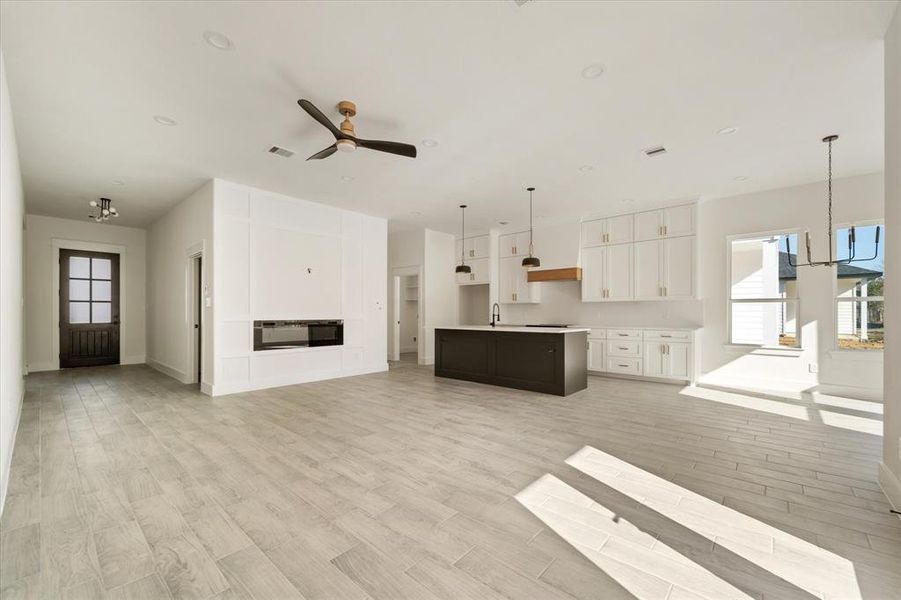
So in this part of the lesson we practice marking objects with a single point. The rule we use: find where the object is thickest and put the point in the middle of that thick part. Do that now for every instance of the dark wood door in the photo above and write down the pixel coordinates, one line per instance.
(88, 308)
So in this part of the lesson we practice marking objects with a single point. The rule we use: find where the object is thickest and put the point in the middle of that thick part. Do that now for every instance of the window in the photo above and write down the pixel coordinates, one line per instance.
(763, 299)
(90, 290)
(859, 306)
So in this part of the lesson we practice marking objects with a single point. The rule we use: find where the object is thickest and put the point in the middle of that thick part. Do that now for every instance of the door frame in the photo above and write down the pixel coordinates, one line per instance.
(58, 244)
(192, 253)
(396, 274)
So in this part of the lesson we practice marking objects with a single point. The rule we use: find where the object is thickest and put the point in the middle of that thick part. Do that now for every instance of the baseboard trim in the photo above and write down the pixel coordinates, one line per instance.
(41, 366)
(890, 485)
(165, 369)
(4, 484)
(137, 359)
(426, 360)
(639, 378)
(238, 387)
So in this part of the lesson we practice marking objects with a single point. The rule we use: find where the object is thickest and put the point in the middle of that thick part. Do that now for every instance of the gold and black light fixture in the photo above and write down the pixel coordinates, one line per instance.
(463, 267)
(852, 240)
(530, 261)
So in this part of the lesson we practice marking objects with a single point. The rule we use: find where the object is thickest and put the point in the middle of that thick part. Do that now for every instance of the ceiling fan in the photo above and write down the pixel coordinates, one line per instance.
(345, 137)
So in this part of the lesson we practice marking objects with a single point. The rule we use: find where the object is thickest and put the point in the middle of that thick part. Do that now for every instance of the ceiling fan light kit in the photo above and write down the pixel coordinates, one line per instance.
(852, 238)
(346, 139)
(463, 267)
(530, 261)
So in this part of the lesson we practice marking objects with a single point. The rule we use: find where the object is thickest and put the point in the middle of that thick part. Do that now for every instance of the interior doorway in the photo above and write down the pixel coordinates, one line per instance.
(88, 308)
(196, 320)
(405, 331)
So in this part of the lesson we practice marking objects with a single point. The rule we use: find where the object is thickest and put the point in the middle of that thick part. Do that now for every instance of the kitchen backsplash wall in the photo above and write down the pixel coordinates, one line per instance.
(561, 302)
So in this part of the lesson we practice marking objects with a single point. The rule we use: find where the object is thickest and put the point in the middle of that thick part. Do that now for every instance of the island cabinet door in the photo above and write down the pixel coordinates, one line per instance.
(459, 353)
(532, 360)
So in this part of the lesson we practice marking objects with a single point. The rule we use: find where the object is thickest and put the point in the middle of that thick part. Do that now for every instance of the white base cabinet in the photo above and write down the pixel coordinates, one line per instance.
(653, 353)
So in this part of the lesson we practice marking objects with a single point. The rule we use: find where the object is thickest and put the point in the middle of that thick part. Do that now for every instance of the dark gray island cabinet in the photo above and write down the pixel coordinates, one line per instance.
(540, 359)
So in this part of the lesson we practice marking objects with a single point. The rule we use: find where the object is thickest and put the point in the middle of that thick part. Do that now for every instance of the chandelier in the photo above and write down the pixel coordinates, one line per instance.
(852, 241)
(106, 210)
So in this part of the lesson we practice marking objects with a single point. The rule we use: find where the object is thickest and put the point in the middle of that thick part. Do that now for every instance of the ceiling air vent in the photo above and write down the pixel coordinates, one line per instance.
(655, 151)
(283, 152)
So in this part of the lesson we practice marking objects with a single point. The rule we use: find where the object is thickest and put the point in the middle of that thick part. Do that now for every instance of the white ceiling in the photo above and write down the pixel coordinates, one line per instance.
(497, 85)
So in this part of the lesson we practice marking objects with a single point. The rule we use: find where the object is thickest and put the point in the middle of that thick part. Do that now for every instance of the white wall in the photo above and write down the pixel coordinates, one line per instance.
(801, 207)
(890, 471)
(44, 236)
(12, 210)
(439, 289)
(171, 239)
(278, 257)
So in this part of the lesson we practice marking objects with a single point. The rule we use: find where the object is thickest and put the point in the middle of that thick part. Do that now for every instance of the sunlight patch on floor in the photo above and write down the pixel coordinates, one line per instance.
(638, 561)
(775, 407)
(851, 422)
(794, 560)
(868, 406)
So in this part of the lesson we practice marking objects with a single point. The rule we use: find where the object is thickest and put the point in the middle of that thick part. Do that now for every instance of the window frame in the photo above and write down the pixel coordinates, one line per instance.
(796, 301)
(858, 299)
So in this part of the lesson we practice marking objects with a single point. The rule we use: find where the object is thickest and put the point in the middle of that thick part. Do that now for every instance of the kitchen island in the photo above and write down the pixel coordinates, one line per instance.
(540, 359)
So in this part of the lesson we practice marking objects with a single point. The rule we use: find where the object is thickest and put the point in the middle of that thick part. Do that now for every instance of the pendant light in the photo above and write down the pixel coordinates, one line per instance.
(106, 210)
(852, 241)
(530, 261)
(463, 267)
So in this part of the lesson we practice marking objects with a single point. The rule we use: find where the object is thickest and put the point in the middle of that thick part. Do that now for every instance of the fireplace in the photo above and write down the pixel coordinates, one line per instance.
(280, 335)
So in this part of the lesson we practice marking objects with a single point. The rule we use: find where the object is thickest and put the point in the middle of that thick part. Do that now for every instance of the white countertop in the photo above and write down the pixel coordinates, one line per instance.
(517, 329)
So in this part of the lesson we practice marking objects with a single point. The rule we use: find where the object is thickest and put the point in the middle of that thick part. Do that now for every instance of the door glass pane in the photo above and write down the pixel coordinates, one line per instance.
(102, 268)
(100, 312)
(101, 290)
(79, 266)
(79, 289)
(79, 312)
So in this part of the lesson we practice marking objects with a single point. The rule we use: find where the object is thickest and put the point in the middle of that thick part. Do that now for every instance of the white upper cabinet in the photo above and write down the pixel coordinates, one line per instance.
(513, 244)
(478, 274)
(613, 230)
(664, 269)
(648, 225)
(679, 259)
(513, 284)
(648, 270)
(669, 222)
(679, 220)
(607, 273)
(473, 247)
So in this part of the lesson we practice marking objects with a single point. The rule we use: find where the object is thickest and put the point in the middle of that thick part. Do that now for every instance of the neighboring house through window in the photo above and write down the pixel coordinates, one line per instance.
(763, 300)
(859, 305)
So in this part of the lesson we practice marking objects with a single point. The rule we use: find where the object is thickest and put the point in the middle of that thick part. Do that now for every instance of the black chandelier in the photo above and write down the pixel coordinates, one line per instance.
(852, 241)
(106, 210)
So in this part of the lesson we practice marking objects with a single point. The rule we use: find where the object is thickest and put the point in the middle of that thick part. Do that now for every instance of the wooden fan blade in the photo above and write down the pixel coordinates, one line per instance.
(325, 153)
(390, 147)
(323, 120)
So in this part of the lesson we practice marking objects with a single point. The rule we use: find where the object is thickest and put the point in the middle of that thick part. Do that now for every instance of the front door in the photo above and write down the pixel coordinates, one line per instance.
(88, 308)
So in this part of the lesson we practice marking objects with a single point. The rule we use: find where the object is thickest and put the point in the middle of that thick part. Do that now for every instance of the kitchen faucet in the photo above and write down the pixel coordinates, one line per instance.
(495, 314)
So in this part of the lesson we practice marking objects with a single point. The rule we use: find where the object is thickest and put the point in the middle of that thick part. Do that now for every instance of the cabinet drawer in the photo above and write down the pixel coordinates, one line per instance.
(623, 334)
(623, 348)
(629, 366)
(597, 334)
(664, 335)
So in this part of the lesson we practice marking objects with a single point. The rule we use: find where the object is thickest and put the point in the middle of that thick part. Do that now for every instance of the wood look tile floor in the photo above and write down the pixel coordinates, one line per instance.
(126, 484)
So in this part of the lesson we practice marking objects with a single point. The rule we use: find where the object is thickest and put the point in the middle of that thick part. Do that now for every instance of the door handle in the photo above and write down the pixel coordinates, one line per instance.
(196, 325)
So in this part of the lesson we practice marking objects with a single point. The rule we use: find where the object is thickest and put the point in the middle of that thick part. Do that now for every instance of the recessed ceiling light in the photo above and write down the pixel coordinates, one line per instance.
(627, 200)
(217, 40)
(117, 182)
(503, 222)
(429, 143)
(415, 213)
(727, 130)
(593, 71)
(586, 168)
(346, 178)
(164, 120)
(741, 178)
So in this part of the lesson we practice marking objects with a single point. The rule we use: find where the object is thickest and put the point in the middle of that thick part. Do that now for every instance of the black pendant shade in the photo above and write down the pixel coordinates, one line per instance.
(530, 261)
(463, 267)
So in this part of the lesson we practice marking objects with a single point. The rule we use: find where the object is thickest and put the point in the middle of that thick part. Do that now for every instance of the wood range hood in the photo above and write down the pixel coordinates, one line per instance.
(564, 274)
